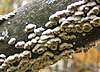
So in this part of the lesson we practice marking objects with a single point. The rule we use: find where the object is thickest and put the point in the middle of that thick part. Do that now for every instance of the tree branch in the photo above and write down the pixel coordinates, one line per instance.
(70, 32)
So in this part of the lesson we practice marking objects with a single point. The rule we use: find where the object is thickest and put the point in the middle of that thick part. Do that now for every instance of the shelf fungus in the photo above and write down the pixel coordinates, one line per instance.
(50, 24)
(12, 41)
(48, 31)
(20, 44)
(78, 28)
(95, 22)
(28, 45)
(53, 43)
(2, 38)
(37, 46)
(26, 54)
(32, 35)
(30, 27)
(38, 31)
(87, 27)
(65, 45)
(67, 32)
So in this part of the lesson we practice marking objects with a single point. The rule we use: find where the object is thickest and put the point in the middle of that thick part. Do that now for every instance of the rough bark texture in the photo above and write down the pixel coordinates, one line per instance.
(37, 12)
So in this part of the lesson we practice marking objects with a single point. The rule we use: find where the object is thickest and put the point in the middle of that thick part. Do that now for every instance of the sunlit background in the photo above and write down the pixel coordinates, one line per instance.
(82, 62)
(7, 6)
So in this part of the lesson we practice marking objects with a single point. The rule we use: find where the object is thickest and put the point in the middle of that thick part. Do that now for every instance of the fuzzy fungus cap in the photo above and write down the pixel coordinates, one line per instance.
(20, 44)
(32, 35)
(50, 24)
(2, 38)
(26, 53)
(95, 22)
(87, 27)
(30, 27)
(65, 45)
(2, 56)
(12, 41)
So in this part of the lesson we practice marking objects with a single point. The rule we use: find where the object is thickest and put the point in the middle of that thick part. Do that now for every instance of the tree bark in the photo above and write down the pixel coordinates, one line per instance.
(37, 12)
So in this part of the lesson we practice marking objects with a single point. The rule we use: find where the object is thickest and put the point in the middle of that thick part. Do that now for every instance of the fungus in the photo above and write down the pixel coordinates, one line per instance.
(81, 8)
(61, 14)
(37, 46)
(71, 18)
(26, 54)
(56, 30)
(64, 46)
(37, 38)
(70, 28)
(12, 41)
(1, 60)
(53, 43)
(10, 60)
(79, 3)
(4, 65)
(2, 38)
(34, 41)
(44, 37)
(32, 35)
(28, 45)
(78, 28)
(67, 13)
(79, 13)
(42, 41)
(38, 30)
(11, 14)
(71, 7)
(61, 20)
(72, 37)
(96, 9)
(2, 56)
(64, 36)
(87, 27)
(41, 50)
(30, 27)
(64, 24)
(49, 54)
(91, 4)
(77, 18)
(95, 22)
(54, 17)
(50, 24)
(48, 31)
(20, 44)
(86, 9)
(98, 1)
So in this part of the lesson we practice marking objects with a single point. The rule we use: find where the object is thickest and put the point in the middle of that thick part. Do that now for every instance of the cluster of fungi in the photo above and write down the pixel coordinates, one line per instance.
(56, 41)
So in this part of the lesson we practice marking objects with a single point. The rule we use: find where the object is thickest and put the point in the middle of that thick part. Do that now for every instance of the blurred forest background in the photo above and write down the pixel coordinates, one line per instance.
(81, 62)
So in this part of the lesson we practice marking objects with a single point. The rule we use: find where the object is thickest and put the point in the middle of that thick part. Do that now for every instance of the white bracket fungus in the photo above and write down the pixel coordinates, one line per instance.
(30, 27)
(2, 38)
(20, 44)
(12, 41)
